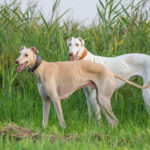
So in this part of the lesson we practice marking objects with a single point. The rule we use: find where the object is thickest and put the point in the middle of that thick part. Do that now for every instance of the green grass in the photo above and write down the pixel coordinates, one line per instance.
(20, 101)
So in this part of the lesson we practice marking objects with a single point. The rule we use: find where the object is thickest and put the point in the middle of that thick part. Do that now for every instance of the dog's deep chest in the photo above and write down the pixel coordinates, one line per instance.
(42, 88)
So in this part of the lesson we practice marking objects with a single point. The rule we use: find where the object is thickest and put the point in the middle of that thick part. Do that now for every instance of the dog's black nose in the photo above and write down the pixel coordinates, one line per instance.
(71, 54)
(16, 61)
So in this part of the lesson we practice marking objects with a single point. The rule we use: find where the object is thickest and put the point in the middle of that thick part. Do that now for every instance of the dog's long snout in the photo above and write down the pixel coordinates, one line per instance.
(71, 53)
(16, 61)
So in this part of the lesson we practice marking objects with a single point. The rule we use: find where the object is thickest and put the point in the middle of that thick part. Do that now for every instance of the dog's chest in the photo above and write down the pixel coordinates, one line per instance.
(41, 89)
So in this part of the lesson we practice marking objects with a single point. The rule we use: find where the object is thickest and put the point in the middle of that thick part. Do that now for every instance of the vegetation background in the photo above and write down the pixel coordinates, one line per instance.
(121, 30)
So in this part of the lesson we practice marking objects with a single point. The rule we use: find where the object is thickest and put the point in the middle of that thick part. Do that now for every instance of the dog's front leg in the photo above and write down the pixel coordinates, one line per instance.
(46, 104)
(46, 108)
(57, 105)
(87, 94)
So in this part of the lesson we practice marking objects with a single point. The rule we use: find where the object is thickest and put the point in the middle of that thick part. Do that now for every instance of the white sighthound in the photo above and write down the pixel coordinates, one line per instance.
(126, 66)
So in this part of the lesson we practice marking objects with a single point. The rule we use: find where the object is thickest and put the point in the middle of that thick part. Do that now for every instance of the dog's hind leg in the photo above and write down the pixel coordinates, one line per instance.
(146, 96)
(105, 106)
(146, 92)
(104, 92)
(95, 105)
(91, 99)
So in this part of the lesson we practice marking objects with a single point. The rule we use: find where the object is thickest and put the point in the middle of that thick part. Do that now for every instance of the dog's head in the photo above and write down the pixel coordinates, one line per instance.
(76, 45)
(27, 57)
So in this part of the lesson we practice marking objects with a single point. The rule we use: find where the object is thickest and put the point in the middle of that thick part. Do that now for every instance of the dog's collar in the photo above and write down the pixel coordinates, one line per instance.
(36, 65)
(84, 53)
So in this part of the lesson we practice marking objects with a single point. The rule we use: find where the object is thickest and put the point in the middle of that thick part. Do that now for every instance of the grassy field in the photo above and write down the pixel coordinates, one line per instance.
(118, 32)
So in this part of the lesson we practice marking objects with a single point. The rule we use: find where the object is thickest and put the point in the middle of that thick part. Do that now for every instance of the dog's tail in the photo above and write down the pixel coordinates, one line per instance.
(132, 83)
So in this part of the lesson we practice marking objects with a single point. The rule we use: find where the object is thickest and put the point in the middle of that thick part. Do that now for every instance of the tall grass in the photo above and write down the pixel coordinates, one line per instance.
(121, 29)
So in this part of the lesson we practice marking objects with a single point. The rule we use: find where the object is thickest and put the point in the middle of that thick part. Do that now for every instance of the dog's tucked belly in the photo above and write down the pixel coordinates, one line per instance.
(65, 93)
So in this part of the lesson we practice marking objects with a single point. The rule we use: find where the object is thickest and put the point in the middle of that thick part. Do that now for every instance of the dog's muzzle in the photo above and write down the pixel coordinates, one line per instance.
(17, 61)
(71, 54)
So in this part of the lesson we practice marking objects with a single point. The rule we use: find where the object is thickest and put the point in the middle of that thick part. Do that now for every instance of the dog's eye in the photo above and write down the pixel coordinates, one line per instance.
(77, 44)
(26, 55)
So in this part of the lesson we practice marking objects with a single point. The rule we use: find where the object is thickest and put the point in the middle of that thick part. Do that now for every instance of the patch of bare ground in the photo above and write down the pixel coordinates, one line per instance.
(16, 132)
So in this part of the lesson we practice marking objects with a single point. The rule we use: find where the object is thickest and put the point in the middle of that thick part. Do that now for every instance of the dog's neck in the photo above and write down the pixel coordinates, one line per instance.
(82, 53)
(36, 64)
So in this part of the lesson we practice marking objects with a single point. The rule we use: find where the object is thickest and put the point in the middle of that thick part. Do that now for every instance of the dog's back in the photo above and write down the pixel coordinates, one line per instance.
(79, 66)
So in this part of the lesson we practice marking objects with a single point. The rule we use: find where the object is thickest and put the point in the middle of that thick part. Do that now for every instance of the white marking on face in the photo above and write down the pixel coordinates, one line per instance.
(75, 45)
(26, 56)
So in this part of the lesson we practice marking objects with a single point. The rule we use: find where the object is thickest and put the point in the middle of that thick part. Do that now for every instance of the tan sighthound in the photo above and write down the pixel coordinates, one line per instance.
(57, 80)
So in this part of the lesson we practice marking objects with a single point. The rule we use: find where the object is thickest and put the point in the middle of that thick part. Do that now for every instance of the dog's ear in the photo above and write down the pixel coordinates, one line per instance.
(81, 40)
(68, 41)
(22, 47)
(34, 50)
